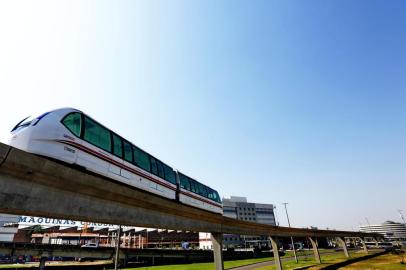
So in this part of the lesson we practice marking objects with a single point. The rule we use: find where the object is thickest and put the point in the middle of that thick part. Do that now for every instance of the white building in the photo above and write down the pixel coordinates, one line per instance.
(205, 241)
(392, 231)
(239, 208)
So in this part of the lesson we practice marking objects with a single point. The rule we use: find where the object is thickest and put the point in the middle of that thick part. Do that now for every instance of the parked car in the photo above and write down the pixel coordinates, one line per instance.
(91, 245)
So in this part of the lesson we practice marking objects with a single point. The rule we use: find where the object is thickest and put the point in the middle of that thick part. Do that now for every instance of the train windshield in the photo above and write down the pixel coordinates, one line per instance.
(23, 123)
(28, 121)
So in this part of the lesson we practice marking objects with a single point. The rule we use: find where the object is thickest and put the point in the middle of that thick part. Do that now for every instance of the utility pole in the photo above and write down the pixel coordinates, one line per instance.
(401, 216)
(117, 248)
(291, 238)
(369, 225)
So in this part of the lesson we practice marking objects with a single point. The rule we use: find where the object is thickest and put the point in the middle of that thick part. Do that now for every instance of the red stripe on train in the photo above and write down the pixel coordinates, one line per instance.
(108, 159)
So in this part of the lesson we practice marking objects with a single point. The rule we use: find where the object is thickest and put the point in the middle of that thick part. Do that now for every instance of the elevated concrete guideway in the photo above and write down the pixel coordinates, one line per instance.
(101, 253)
(33, 185)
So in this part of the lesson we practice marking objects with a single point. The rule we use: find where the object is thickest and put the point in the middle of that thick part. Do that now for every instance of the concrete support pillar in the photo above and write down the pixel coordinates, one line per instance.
(341, 242)
(42, 263)
(376, 242)
(315, 250)
(217, 240)
(278, 262)
(364, 246)
(117, 255)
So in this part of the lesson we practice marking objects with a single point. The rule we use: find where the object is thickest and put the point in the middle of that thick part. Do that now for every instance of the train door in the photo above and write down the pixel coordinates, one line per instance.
(68, 138)
(114, 169)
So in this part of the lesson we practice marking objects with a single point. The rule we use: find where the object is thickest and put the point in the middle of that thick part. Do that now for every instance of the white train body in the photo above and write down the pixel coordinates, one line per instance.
(73, 137)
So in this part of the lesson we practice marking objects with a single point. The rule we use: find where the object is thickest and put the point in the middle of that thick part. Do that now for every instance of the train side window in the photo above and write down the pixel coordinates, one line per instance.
(198, 186)
(117, 146)
(193, 185)
(97, 135)
(169, 174)
(184, 182)
(141, 159)
(202, 190)
(128, 154)
(212, 195)
(160, 169)
(73, 122)
(154, 168)
(217, 197)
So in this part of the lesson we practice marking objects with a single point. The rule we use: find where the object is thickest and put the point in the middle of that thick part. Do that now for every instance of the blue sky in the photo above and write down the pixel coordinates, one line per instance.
(279, 101)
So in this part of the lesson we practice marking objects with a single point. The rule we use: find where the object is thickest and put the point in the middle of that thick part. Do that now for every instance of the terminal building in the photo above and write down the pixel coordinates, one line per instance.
(40, 230)
(239, 208)
(392, 231)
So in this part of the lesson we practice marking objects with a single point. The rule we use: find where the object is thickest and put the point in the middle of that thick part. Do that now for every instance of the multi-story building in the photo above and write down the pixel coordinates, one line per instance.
(391, 231)
(239, 208)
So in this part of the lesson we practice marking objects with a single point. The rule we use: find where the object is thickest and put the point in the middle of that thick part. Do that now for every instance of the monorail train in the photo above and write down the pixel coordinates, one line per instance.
(73, 137)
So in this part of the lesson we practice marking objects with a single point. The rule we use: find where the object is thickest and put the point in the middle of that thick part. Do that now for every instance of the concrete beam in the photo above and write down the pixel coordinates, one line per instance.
(315, 250)
(217, 240)
(275, 249)
(29, 184)
(341, 242)
(4, 150)
(376, 242)
(100, 253)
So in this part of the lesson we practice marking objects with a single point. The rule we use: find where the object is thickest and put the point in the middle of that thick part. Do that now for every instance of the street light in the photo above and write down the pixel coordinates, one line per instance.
(291, 238)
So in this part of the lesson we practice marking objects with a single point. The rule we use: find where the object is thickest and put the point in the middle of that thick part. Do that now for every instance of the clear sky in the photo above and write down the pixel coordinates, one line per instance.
(279, 101)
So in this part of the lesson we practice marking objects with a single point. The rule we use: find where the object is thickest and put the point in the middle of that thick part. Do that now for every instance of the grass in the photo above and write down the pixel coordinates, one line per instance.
(387, 262)
(309, 260)
(382, 262)
(227, 264)
(203, 266)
